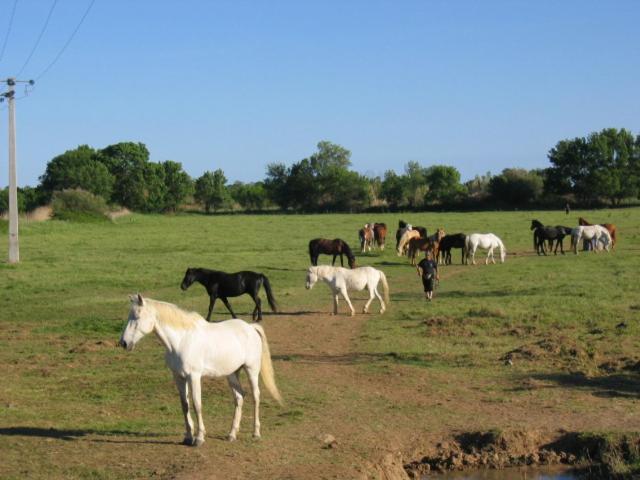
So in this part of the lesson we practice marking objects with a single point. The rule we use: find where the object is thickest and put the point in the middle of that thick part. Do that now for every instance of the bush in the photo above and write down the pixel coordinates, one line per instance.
(78, 206)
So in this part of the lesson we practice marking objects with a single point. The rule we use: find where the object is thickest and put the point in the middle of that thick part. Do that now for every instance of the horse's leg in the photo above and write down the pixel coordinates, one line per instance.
(343, 291)
(382, 305)
(196, 398)
(212, 302)
(371, 297)
(258, 310)
(333, 262)
(238, 399)
(183, 390)
(253, 374)
(228, 305)
(335, 302)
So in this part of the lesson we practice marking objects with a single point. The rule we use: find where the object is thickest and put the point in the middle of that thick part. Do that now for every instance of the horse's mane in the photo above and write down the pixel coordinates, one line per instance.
(172, 315)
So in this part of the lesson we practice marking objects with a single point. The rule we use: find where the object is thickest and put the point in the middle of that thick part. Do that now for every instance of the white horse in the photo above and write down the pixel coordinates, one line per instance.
(592, 233)
(197, 348)
(487, 241)
(341, 279)
(403, 243)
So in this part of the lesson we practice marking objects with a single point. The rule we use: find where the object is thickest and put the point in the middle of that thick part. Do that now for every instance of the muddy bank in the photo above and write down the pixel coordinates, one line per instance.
(606, 455)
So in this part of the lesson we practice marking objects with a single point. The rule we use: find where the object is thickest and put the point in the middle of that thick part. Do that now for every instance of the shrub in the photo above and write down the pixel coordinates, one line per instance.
(78, 206)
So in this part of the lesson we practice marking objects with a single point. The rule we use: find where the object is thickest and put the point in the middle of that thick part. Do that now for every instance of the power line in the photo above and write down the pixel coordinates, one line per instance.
(44, 27)
(64, 47)
(6, 37)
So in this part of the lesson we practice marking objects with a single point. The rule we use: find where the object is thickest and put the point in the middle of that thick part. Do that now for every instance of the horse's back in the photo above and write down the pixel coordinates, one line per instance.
(217, 349)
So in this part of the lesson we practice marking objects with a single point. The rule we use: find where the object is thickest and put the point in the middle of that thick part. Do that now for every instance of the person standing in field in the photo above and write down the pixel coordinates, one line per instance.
(567, 209)
(428, 270)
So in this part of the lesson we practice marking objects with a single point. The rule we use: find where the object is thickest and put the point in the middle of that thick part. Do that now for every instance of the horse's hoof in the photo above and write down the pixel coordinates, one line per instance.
(187, 441)
(231, 438)
(353, 314)
(199, 441)
(257, 436)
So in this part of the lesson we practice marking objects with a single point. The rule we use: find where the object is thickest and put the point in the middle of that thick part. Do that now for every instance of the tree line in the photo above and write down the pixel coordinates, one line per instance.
(601, 167)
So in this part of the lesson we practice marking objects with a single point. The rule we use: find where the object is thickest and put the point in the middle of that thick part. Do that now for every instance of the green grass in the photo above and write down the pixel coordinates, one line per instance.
(64, 305)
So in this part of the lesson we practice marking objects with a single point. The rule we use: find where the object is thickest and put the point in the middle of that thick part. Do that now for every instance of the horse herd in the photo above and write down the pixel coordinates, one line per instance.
(196, 347)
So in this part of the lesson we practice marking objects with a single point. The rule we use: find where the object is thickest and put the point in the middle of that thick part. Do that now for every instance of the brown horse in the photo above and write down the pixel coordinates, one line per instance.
(431, 244)
(402, 227)
(366, 237)
(333, 247)
(380, 234)
(609, 226)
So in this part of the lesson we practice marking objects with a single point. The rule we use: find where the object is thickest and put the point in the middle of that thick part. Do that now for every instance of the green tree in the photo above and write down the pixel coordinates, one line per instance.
(276, 185)
(178, 185)
(444, 184)
(78, 168)
(603, 165)
(393, 189)
(250, 196)
(516, 186)
(211, 190)
(127, 162)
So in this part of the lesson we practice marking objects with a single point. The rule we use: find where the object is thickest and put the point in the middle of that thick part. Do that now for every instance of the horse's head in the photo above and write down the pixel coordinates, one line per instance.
(583, 222)
(142, 319)
(189, 278)
(535, 224)
(352, 261)
(312, 277)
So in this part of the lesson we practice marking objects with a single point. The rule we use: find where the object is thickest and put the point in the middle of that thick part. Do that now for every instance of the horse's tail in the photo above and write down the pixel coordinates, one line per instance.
(270, 297)
(266, 367)
(385, 287)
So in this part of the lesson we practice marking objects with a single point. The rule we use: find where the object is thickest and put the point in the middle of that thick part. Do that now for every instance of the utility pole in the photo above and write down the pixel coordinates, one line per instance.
(14, 246)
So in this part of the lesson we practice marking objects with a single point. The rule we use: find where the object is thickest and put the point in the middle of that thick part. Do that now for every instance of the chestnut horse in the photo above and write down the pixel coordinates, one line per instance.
(609, 226)
(431, 243)
(380, 234)
(365, 236)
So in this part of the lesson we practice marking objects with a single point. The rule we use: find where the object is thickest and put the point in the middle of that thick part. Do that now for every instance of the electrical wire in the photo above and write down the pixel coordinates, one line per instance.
(44, 28)
(6, 37)
(64, 47)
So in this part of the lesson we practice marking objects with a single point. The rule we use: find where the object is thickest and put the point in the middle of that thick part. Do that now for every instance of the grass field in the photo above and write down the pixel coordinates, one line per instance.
(72, 405)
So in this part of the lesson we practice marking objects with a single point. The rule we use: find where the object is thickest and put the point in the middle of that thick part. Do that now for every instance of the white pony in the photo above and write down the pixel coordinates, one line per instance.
(591, 233)
(341, 279)
(487, 241)
(197, 348)
(403, 243)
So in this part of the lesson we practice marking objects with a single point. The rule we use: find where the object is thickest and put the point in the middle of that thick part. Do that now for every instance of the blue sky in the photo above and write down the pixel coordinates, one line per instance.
(481, 85)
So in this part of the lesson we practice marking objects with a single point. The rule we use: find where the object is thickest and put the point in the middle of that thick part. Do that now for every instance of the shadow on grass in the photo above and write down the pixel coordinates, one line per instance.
(609, 386)
(356, 358)
(495, 293)
(76, 434)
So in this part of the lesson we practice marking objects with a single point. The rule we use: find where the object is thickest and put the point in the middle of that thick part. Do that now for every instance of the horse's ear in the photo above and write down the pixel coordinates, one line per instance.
(140, 301)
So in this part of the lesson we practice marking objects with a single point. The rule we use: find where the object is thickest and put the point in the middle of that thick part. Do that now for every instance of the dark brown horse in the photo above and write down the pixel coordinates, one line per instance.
(455, 240)
(380, 234)
(609, 226)
(333, 247)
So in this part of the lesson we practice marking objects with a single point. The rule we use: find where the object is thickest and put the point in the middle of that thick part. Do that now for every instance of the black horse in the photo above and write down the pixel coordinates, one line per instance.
(402, 225)
(223, 285)
(333, 247)
(456, 240)
(542, 233)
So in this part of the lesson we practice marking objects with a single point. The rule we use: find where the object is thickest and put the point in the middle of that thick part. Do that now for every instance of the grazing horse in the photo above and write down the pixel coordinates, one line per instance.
(333, 247)
(341, 279)
(431, 243)
(596, 233)
(366, 237)
(487, 241)
(542, 233)
(403, 244)
(223, 285)
(609, 226)
(196, 348)
(404, 226)
(456, 240)
(380, 234)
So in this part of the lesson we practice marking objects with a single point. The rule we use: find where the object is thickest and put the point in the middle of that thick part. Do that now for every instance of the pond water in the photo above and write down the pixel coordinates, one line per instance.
(553, 473)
